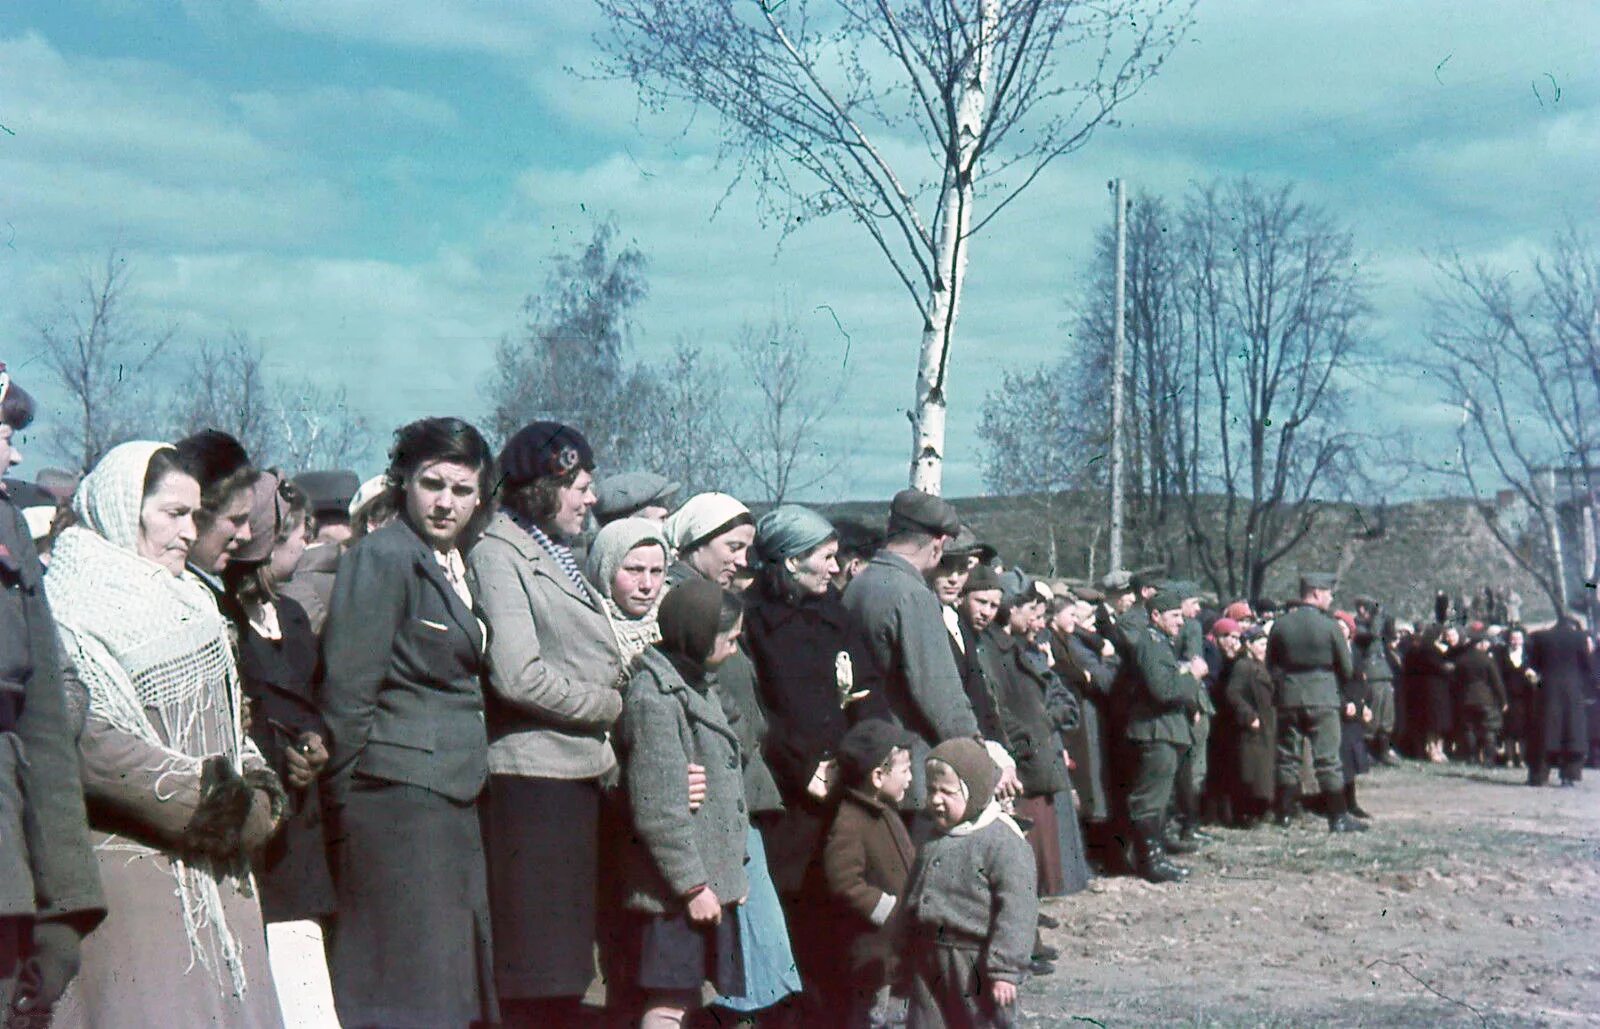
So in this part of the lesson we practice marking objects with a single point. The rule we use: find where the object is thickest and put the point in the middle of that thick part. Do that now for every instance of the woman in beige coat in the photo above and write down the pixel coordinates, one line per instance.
(554, 692)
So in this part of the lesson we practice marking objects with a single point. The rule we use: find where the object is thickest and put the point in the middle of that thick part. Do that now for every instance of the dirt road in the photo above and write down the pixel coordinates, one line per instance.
(1475, 901)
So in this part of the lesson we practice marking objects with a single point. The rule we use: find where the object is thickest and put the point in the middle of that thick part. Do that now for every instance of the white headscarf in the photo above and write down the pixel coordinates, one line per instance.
(699, 517)
(143, 639)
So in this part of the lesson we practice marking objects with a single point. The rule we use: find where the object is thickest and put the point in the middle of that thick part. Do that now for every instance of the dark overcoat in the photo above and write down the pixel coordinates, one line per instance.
(277, 675)
(1250, 695)
(1425, 675)
(1090, 674)
(1563, 657)
(1032, 734)
(868, 857)
(1517, 677)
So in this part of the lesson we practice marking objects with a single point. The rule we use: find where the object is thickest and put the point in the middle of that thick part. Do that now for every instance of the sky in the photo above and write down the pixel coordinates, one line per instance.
(372, 189)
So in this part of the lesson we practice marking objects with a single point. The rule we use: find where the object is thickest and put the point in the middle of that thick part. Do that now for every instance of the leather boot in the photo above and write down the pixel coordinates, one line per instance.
(1339, 819)
(1152, 857)
(1350, 803)
(1180, 842)
(1284, 814)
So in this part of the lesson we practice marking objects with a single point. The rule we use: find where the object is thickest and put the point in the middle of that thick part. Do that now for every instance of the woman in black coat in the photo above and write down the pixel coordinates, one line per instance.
(277, 664)
(1563, 657)
(1426, 672)
(810, 671)
(402, 693)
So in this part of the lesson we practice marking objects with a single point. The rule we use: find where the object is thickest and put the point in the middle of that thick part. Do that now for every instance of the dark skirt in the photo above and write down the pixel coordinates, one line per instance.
(412, 946)
(1045, 839)
(543, 841)
(668, 952)
(1355, 757)
(1075, 872)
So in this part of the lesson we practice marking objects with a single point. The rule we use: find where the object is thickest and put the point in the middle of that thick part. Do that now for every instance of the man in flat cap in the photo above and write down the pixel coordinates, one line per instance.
(1162, 693)
(634, 495)
(328, 494)
(1310, 661)
(900, 619)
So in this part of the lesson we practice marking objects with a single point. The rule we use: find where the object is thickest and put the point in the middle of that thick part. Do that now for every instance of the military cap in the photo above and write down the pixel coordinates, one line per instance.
(620, 495)
(982, 578)
(1184, 588)
(328, 491)
(58, 482)
(914, 509)
(1317, 581)
(1119, 581)
(1166, 600)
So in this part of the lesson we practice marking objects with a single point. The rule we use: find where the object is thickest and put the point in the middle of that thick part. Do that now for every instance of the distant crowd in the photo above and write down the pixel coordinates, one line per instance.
(465, 742)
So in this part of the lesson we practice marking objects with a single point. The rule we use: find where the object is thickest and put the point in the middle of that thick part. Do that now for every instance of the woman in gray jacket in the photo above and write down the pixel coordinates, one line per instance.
(554, 692)
(685, 870)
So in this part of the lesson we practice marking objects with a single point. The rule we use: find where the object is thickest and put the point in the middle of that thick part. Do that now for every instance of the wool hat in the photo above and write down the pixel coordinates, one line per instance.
(914, 509)
(615, 541)
(212, 455)
(702, 517)
(688, 619)
(269, 508)
(623, 494)
(1239, 611)
(867, 745)
(790, 530)
(1225, 627)
(1317, 581)
(329, 491)
(982, 578)
(541, 450)
(974, 767)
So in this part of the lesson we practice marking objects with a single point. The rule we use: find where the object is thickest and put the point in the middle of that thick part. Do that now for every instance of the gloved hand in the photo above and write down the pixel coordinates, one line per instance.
(260, 824)
(50, 967)
(213, 830)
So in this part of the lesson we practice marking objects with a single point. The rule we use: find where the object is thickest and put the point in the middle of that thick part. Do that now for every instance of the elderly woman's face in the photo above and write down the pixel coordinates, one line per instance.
(166, 522)
(441, 498)
(815, 571)
(229, 530)
(636, 585)
(721, 557)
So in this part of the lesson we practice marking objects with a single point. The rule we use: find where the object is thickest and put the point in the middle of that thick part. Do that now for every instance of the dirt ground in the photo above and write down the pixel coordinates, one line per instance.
(1474, 900)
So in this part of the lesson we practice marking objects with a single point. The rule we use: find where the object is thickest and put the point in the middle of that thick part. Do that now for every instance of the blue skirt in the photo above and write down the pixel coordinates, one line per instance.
(769, 969)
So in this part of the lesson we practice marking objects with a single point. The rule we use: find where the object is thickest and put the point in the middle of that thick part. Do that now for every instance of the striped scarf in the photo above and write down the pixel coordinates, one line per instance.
(560, 551)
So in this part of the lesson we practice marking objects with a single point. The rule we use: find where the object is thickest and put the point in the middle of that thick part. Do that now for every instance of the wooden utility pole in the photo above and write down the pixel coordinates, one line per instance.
(1119, 294)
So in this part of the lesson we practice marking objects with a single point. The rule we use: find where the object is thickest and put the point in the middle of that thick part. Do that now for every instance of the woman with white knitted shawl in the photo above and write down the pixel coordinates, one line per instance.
(162, 749)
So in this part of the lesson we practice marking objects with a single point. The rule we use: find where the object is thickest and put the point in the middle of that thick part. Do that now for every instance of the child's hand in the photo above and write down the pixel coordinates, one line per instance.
(697, 786)
(705, 908)
(1004, 994)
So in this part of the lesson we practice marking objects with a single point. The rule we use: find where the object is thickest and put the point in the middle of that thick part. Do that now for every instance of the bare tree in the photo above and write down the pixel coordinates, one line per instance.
(777, 439)
(1521, 356)
(315, 427)
(225, 387)
(824, 102)
(678, 422)
(102, 356)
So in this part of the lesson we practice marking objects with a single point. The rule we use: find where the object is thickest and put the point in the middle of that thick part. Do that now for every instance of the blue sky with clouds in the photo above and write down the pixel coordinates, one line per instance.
(372, 186)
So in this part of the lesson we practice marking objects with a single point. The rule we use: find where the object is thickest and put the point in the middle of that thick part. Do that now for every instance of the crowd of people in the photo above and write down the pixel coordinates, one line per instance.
(443, 747)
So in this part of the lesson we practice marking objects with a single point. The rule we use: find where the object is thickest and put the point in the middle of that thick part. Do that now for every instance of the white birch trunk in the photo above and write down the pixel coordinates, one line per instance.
(950, 263)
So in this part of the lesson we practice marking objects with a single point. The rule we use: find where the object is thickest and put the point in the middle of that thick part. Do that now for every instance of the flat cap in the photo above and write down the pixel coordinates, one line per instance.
(328, 491)
(58, 482)
(620, 495)
(914, 509)
(965, 544)
(1318, 581)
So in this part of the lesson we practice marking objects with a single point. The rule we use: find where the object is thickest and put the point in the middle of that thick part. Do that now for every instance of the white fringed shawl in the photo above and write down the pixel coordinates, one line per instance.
(144, 640)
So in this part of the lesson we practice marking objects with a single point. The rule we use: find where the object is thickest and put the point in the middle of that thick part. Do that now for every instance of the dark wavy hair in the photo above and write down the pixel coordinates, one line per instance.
(539, 501)
(427, 440)
(17, 408)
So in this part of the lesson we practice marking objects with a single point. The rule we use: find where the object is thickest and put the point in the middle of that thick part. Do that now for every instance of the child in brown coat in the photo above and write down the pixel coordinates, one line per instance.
(867, 860)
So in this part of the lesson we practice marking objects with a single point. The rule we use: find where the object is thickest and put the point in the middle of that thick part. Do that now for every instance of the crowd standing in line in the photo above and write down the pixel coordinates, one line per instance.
(430, 750)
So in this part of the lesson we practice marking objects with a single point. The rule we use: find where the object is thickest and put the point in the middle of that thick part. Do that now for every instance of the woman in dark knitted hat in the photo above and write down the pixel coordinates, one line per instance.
(555, 671)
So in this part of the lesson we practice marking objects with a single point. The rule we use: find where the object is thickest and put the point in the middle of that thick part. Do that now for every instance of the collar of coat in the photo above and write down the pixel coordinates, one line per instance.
(427, 566)
(320, 557)
(775, 614)
(696, 704)
(510, 533)
(869, 799)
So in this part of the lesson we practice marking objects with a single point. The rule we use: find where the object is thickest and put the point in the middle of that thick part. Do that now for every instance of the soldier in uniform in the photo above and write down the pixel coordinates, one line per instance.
(1309, 659)
(909, 646)
(1163, 695)
(1192, 766)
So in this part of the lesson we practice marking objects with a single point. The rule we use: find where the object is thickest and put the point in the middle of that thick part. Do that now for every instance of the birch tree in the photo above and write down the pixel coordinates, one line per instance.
(1520, 355)
(921, 120)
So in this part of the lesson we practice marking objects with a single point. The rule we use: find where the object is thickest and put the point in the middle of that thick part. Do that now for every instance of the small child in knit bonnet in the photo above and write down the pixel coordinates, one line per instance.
(972, 907)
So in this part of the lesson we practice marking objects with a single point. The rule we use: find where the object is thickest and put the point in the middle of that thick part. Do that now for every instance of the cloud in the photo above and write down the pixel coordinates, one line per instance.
(338, 109)
(466, 26)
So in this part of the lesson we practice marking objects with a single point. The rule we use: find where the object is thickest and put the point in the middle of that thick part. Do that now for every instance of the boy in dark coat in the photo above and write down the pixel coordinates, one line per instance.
(868, 860)
(972, 906)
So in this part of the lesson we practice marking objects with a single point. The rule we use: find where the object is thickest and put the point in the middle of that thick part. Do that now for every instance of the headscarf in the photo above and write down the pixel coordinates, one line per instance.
(689, 617)
(613, 543)
(144, 640)
(702, 517)
(791, 531)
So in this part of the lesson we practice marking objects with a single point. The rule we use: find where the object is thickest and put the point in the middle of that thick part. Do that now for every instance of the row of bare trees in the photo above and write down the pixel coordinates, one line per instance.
(124, 378)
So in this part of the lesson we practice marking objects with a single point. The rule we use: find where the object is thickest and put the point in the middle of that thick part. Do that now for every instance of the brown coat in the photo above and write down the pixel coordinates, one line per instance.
(867, 857)
(1250, 695)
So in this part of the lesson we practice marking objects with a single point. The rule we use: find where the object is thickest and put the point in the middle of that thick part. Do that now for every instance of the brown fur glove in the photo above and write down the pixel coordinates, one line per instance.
(213, 831)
